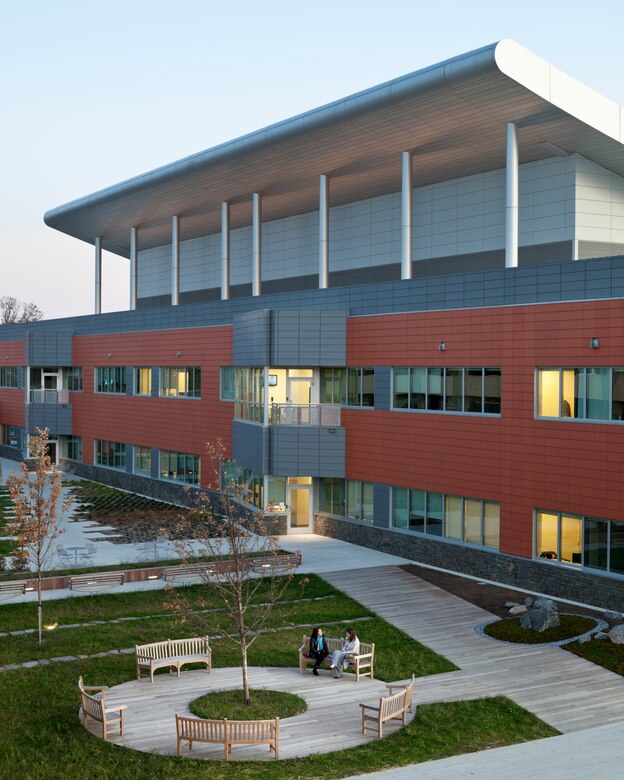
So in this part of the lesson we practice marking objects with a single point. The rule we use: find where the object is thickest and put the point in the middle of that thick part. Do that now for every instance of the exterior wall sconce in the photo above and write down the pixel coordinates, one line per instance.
(442, 346)
(109, 354)
(594, 343)
(179, 353)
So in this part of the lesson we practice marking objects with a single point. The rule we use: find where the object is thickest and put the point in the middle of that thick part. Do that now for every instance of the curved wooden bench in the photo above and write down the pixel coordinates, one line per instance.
(228, 733)
(94, 707)
(173, 653)
(365, 660)
(393, 707)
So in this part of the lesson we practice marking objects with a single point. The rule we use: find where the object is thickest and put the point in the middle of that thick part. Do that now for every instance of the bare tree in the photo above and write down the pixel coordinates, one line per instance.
(224, 528)
(13, 311)
(38, 516)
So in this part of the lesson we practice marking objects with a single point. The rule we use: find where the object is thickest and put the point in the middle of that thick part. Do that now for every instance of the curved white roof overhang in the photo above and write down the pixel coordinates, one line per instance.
(452, 116)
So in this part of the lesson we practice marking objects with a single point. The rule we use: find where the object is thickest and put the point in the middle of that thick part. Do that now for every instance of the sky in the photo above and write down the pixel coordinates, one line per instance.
(95, 93)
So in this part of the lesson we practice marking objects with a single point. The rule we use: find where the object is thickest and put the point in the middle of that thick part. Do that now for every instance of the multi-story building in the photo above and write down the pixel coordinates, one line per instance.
(401, 312)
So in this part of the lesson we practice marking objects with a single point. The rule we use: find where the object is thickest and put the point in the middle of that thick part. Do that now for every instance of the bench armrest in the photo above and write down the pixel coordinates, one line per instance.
(95, 687)
(116, 709)
(369, 707)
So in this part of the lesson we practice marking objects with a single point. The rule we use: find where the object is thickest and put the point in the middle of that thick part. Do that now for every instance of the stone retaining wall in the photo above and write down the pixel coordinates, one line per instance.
(541, 577)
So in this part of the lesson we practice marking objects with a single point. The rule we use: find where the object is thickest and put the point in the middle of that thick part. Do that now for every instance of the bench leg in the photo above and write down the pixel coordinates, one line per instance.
(121, 723)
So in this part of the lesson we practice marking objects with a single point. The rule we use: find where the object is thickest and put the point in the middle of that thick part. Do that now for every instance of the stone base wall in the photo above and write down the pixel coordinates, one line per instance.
(10, 453)
(581, 586)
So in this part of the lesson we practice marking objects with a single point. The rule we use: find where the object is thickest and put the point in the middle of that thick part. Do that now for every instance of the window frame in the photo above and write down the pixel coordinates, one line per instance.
(584, 418)
(121, 453)
(192, 379)
(430, 374)
(119, 379)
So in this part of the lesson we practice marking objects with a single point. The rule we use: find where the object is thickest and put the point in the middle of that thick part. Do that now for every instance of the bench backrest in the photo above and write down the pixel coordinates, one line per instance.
(174, 647)
(336, 644)
(392, 705)
(201, 730)
(242, 731)
(94, 706)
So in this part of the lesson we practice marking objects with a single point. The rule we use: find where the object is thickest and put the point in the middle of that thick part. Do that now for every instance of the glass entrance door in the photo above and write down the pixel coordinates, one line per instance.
(299, 500)
(50, 383)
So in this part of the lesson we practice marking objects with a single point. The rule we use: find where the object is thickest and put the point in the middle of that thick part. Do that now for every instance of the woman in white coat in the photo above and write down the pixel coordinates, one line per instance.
(340, 658)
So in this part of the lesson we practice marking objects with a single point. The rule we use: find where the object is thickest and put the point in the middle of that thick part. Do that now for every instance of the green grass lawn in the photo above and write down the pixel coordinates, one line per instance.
(510, 630)
(42, 738)
(265, 705)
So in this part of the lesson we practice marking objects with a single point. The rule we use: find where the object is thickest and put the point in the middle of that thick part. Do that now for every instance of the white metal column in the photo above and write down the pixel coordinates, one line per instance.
(98, 275)
(511, 198)
(256, 248)
(175, 260)
(406, 215)
(323, 232)
(225, 250)
(134, 248)
(266, 396)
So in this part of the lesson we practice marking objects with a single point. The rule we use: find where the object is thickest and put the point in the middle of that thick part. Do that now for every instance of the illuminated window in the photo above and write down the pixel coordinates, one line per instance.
(581, 393)
(179, 467)
(176, 382)
(142, 381)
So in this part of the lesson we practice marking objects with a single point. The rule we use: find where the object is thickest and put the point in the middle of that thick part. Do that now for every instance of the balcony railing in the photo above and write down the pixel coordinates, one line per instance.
(289, 414)
(49, 396)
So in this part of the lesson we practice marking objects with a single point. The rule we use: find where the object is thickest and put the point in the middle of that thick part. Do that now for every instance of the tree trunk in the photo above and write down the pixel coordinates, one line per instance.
(246, 697)
(39, 611)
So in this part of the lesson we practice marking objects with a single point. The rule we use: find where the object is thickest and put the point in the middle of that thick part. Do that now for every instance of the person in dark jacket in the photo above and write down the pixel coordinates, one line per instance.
(318, 648)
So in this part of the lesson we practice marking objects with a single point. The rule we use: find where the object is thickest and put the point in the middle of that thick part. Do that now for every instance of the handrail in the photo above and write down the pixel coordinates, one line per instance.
(318, 415)
(49, 396)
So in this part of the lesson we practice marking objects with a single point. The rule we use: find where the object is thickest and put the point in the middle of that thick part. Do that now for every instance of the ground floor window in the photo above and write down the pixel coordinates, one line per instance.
(71, 447)
(245, 485)
(347, 498)
(580, 540)
(470, 520)
(179, 467)
(143, 461)
(111, 454)
(12, 435)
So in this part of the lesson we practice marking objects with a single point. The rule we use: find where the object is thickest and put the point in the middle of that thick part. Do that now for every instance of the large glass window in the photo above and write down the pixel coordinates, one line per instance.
(244, 484)
(12, 435)
(347, 498)
(177, 382)
(580, 541)
(143, 381)
(71, 447)
(143, 461)
(72, 378)
(332, 496)
(454, 390)
(580, 393)
(465, 519)
(8, 376)
(111, 454)
(179, 467)
(348, 386)
(110, 379)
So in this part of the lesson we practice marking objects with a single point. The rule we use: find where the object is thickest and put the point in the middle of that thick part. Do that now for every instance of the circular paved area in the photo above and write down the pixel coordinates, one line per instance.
(331, 722)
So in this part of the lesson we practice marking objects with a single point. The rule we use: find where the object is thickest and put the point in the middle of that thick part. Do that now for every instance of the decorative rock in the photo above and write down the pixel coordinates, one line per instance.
(610, 615)
(528, 601)
(519, 610)
(583, 640)
(616, 635)
(30, 664)
(600, 635)
(543, 616)
(510, 604)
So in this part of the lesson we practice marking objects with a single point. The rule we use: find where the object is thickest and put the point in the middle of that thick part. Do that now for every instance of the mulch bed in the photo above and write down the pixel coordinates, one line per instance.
(487, 596)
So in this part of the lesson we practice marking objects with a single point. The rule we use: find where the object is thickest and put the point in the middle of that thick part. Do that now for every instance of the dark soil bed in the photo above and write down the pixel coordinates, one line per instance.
(510, 630)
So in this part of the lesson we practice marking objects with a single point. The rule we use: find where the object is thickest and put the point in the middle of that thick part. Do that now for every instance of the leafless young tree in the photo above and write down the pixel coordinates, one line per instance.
(36, 499)
(13, 311)
(226, 529)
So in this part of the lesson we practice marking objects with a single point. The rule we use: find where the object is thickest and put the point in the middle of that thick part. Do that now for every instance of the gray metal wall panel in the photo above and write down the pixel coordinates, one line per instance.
(308, 338)
(48, 347)
(381, 505)
(250, 446)
(307, 452)
(251, 339)
(383, 377)
(419, 294)
(155, 471)
(56, 417)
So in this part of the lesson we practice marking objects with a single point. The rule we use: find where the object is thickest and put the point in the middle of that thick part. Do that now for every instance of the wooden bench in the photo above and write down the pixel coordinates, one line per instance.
(96, 581)
(94, 707)
(276, 564)
(12, 588)
(364, 660)
(228, 733)
(393, 707)
(191, 572)
(173, 653)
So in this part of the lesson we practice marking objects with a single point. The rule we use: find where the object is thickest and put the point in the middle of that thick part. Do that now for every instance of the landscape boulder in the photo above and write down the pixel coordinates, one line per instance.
(519, 609)
(583, 640)
(601, 635)
(616, 635)
(543, 616)
(511, 604)
(528, 601)
(610, 615)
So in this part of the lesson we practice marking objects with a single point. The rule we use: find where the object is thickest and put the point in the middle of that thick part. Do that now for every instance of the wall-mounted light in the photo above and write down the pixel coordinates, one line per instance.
(179, 353)
(442, 346)
(109, 354)
(594, 343)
